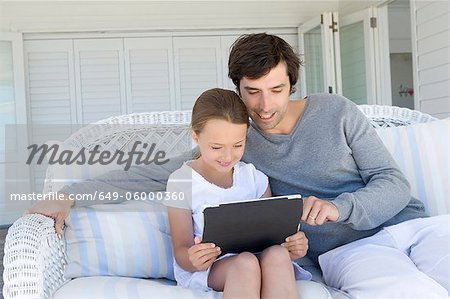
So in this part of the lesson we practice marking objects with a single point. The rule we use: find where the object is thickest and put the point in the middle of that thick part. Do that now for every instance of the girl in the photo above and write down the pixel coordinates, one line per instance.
(219, 125)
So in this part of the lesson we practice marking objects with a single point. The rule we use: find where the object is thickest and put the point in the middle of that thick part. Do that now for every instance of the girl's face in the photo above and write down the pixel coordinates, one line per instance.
(221, 144)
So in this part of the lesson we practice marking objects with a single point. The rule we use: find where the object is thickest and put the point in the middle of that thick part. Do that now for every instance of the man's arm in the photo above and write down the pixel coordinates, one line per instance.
(137, 179)
(387, 191)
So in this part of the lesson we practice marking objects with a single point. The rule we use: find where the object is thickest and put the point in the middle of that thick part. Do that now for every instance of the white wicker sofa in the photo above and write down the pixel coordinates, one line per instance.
(35, 258)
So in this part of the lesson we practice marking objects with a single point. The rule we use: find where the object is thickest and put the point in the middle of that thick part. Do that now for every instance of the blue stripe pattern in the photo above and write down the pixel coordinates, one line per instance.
(77, 244)
(417, 167)
(100, 249)
(93, 247)
(153, 247)
(162, 222)
(423, 155)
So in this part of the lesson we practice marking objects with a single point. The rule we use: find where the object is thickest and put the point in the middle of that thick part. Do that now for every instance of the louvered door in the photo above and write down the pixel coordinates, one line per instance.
(149, 74)
(100, 79)
(50, 80)
(198, 67)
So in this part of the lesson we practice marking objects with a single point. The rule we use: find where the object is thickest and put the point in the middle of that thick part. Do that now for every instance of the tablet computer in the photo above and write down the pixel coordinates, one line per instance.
(252, 225)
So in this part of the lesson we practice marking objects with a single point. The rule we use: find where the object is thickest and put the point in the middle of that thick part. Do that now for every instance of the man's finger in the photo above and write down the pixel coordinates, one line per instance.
(307, 206)
(322, 217)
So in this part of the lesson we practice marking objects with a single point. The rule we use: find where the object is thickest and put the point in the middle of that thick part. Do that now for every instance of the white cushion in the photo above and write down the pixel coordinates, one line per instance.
(122, 287)
(422, 152)
(129, 239)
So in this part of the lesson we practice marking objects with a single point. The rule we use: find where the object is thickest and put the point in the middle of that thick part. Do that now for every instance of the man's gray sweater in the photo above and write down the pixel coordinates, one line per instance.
(332, 153)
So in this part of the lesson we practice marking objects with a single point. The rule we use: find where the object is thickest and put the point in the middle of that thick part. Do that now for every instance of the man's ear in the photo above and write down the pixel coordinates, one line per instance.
(194, 136)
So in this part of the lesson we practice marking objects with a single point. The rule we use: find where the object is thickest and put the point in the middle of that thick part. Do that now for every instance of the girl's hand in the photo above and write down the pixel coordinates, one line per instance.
(202, 255)
(317, 211)
(297, 245)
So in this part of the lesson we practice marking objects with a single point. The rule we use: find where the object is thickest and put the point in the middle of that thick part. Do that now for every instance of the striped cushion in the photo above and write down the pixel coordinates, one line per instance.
(422, 152)
(129, 239)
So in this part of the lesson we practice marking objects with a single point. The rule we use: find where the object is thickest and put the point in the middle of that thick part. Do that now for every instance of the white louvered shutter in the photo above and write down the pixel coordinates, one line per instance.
(100, 79)
(50, 81)
(198, 67)
(49, 72)
(149, 71)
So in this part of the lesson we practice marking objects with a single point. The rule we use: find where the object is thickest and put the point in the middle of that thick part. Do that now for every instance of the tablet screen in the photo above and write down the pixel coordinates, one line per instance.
(252, 225)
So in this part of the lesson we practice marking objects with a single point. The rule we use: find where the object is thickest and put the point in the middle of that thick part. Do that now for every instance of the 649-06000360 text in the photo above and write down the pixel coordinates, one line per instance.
(101, 196)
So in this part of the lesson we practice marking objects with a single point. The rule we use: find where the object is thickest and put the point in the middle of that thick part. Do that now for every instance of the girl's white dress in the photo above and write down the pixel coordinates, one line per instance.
(248, 183)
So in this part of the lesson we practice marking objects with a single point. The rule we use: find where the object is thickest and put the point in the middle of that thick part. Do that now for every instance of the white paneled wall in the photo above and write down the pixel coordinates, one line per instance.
(431, 56)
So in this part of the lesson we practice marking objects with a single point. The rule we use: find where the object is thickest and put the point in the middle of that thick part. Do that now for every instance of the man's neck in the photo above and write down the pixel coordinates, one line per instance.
(293, 114)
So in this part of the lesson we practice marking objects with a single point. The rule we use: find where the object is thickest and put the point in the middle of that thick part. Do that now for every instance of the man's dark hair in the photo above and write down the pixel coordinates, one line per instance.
(254, 55)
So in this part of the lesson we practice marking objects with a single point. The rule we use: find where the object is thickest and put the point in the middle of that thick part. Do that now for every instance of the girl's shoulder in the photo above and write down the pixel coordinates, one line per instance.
(185, 171)
(244, 166)
(246, 169)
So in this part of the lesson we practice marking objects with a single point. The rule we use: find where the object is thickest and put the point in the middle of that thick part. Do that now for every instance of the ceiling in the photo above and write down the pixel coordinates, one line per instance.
(17, 14)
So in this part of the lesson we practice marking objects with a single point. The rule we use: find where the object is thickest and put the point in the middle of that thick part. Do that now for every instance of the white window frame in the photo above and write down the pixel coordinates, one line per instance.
(8, 215)
(376, 47)
(19, 75)
(328, 21)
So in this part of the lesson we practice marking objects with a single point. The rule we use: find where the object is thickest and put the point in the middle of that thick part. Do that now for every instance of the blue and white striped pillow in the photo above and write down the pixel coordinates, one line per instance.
(422, 152)
(130, 239)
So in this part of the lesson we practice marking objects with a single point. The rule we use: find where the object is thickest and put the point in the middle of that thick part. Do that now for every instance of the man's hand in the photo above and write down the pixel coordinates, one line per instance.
(317, 211)
(56, 209)
(202, 255)
(297, 245)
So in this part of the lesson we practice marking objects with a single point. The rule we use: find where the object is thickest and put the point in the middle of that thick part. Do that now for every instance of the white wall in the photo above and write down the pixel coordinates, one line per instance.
(431, 56)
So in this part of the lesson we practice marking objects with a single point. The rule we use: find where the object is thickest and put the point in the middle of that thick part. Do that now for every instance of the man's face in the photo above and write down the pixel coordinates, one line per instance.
(267, 98)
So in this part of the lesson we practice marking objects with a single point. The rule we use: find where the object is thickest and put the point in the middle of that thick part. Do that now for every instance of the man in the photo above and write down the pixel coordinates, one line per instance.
(324, 148)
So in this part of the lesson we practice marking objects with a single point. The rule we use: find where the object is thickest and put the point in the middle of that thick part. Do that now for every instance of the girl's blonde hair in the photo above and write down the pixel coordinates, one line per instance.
(218, 103)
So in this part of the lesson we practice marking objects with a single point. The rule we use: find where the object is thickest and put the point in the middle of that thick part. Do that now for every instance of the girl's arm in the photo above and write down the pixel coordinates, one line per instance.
(267, 193)
(190, 255)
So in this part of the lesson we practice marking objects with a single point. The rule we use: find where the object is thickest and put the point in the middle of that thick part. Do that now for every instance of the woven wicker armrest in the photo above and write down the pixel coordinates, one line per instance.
(34, 258)
(391, 116)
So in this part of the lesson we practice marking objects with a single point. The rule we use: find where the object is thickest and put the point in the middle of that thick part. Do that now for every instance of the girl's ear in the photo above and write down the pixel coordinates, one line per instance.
(194, 136)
